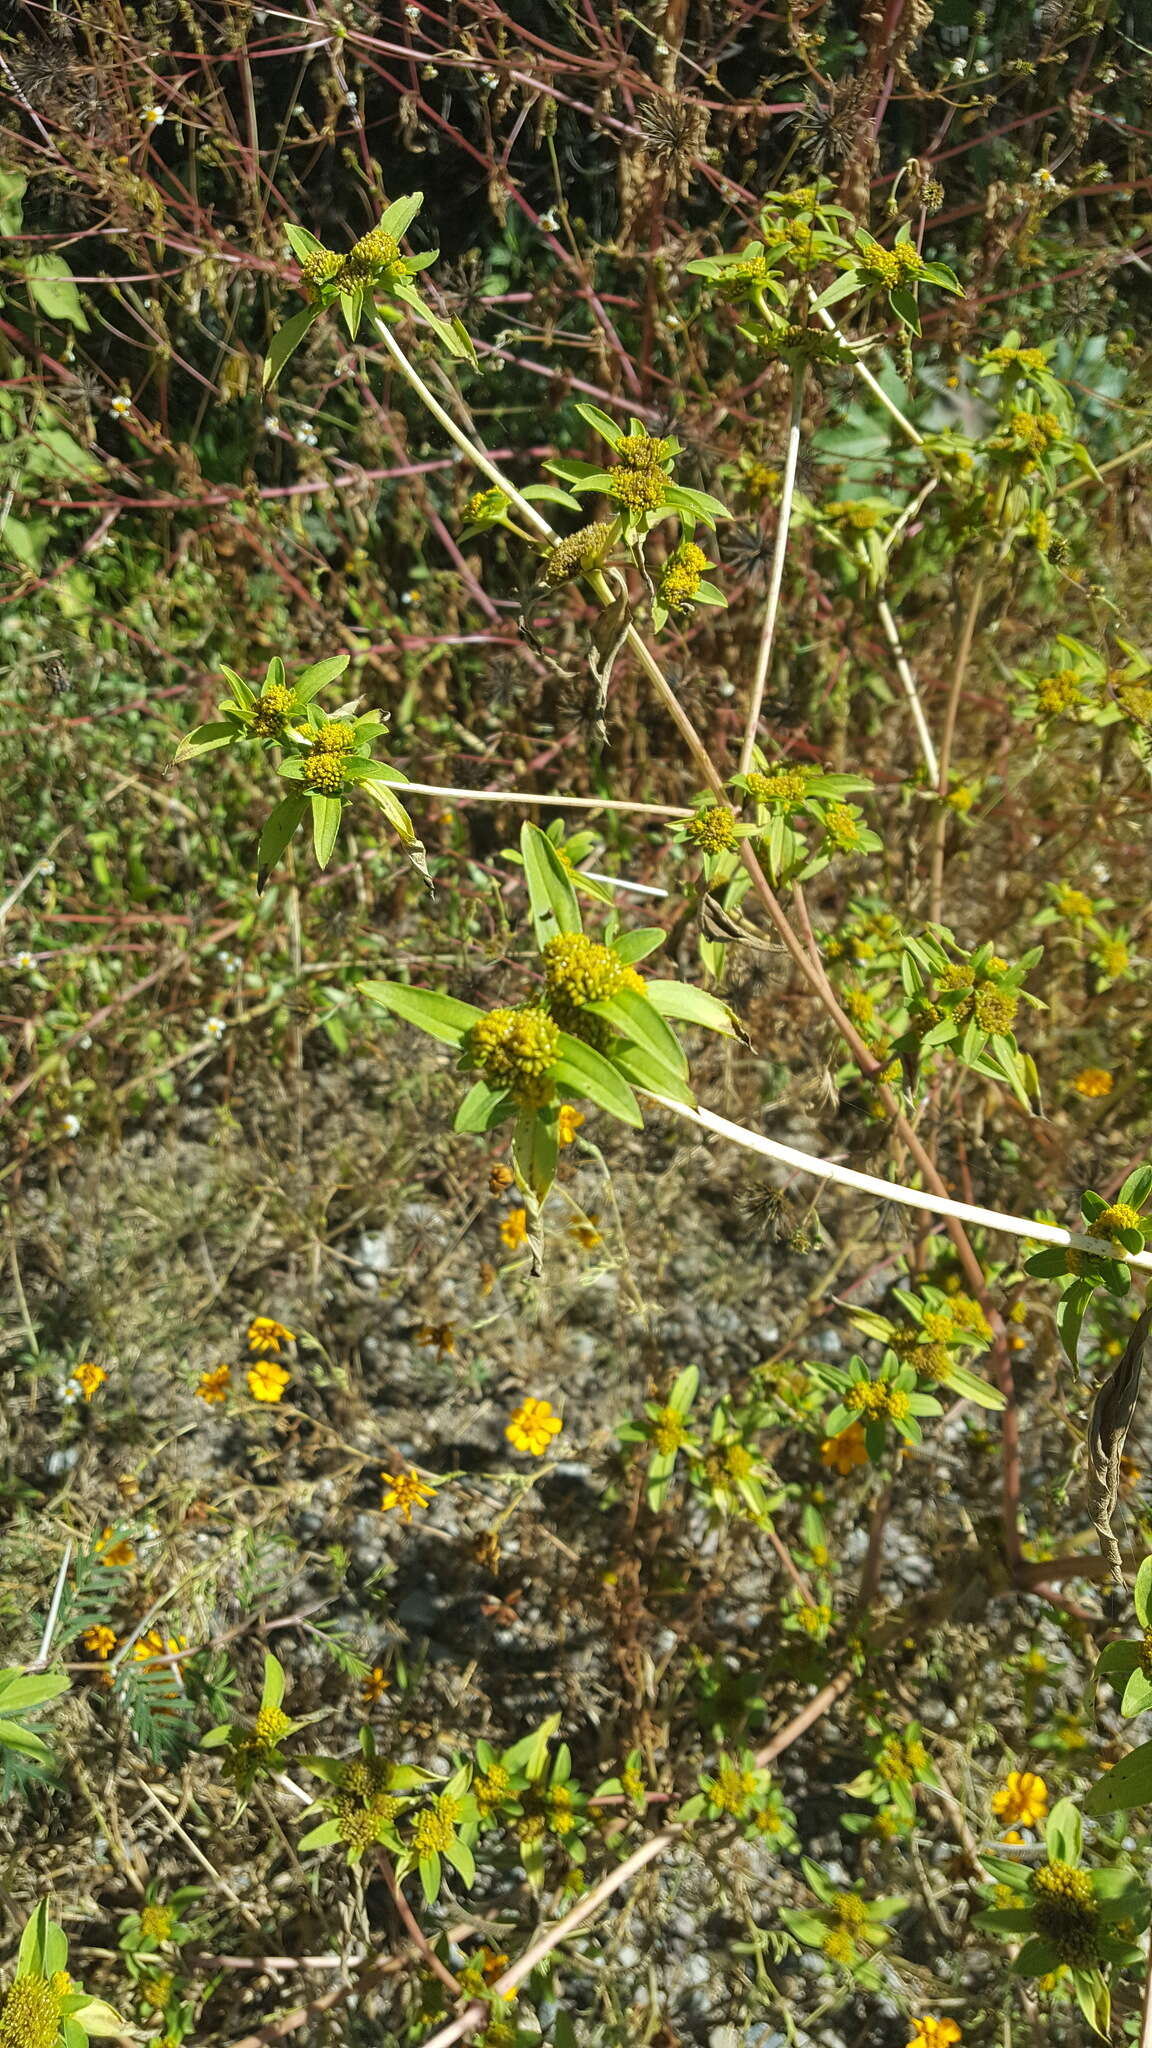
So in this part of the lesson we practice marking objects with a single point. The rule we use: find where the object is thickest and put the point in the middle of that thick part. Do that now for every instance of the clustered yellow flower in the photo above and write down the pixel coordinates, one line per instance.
(532, 1427)
(114, 1554)
(213, 1386)
(89, 1378)
(516, 1049)
(1022, 1800)
(679, 579)
(406, 1490)
(99, 1641)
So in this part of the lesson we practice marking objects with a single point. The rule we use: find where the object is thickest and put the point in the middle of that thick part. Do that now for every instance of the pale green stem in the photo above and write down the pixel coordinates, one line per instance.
(536, 796)
(891, 1191)
(866, 377)
(475, 454)
(908, 681)
(780, 550)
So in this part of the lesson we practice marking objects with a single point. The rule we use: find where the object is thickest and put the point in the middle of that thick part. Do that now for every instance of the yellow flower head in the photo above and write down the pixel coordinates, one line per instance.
(89, 1378)
(111, 1553)
(214, 1385)
(154, 1644)
(99, 1641)
(568, 1123)
(514, 1229)
(1022, 1800)
(533, 1426)
(375, 1686)
(1094, 1082)
(932, 2033)
(266, 1334)
(267, 1381)
(405, 1490)
(844, 1452)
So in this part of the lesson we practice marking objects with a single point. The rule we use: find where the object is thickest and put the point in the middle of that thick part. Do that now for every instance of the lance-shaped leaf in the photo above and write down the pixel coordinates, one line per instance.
(550, 891)
(278, 830)
(585, 1072)
(285, 342)
(440, 1016)
(205, 739)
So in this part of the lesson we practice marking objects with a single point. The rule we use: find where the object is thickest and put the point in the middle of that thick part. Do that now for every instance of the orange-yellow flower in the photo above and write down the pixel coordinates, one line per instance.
(111, 1553)
(266, 1381)
(585, 1232)
(931, 2033)
(842, 1453)
(374, 1686)
(568, 1123)
(99, 1641)
(89, 1378)
(153, 1644)
(1094, 1082)
(1022, 1800)
(514, 1228)
(533, 1426)
(405, 1490)
(214, 1385)
(265, 1334)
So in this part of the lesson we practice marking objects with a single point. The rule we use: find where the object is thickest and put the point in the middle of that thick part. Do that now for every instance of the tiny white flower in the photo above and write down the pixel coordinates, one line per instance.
(46, 867)
(958, 66)
(350, 98)
(70, 1393)
(549, 222)
(71, 1126)
(121, 406)
(662, 48)
(306, 437)
(1044, 178)
(412, 14)
(215, 1027)
(980, 68)
(670, 320)
(86, 1042)
(490, 79)
(24, 961)
(152, 117)
(270, 423)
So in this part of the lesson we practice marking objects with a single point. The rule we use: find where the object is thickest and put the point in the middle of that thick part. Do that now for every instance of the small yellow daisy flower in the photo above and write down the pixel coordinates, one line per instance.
(405, 1490)
(568, 1123)
(514, 1229)
(266, 1381)
(110, 1553)
(533, 1426)
(931, 2033)
(266, 1334)
(1094, 1082)
(844, 1452)
(99, 1641)
(214, 1385)
(1022, 1800)
(89, 1378)
(375, 1686)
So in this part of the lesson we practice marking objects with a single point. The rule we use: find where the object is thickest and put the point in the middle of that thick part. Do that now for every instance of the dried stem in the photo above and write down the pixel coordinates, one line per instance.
(779, 552)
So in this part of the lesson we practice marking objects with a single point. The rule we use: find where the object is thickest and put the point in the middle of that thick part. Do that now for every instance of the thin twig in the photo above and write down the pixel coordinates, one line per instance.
(779, 551)
(539, 796)
(53, 1611)
(908, 682)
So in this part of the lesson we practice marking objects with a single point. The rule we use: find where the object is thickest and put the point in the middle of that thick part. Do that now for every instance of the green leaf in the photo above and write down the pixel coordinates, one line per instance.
(326, 814)
(398, 218)
(1094, 2000)
(440, 1016)
(1070, 1315)
(550, 891)
(693, 1006)
(14, 1736)
(1142, 1593)
(1064, 1833)
(285, 342)
(530, 1754)
(1127, 1784)
(1137, 1695)
(601, 424)
(20, 1690)
(352, 306)
(375, 779)
(273, 1692)
(972, 1388)
(460, 1856)
(684, 1389)
(278, 829)
(302, 243)
(98, 2020)
(646, 1071)
(49, 282)
(535, 1148)
(585, 1072)
(321, 1837)
(634, 946)
(639, 1020)
(243, 692)
(903, 304)
(429, 1868)
(35, 1943)
(205, 739)
(315, 678)
(483, 1108)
